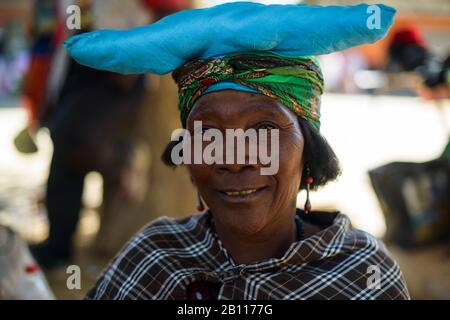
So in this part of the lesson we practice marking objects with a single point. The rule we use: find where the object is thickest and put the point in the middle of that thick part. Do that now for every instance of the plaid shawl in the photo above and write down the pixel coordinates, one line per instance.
(168, 255)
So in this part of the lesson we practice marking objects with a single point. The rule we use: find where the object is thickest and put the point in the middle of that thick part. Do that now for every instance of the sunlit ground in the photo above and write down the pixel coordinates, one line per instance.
(22, 182)
(365, 132)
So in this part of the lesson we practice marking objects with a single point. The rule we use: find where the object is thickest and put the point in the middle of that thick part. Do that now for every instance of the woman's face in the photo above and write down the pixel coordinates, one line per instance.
(221, 185)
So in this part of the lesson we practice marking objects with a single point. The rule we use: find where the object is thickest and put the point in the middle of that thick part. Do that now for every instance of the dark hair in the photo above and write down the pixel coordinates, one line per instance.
(318, 156)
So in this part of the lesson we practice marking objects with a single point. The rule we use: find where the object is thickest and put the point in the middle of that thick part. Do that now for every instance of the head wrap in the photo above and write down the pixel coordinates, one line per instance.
(295, 82)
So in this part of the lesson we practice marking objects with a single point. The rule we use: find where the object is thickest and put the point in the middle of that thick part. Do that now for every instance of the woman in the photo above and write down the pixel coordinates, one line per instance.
(252, 242)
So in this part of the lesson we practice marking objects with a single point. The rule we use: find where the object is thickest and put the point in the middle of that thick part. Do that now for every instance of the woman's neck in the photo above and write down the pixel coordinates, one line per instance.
(270, 242)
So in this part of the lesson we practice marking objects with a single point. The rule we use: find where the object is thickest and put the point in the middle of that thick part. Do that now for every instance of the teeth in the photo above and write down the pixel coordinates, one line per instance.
(240, 193)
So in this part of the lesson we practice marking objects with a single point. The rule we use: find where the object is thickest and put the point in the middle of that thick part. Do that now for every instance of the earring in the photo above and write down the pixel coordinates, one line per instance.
(199, 203)
(308, 181)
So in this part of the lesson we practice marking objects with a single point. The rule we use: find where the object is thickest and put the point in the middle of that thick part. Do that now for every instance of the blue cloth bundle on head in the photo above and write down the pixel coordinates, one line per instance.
(291, 30)
(242, 46)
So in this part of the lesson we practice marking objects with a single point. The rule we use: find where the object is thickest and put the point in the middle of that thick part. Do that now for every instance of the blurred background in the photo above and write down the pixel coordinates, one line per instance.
(80, 149)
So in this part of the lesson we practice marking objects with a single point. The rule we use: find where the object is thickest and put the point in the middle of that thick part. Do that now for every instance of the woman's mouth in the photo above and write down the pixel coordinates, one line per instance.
(241, 195)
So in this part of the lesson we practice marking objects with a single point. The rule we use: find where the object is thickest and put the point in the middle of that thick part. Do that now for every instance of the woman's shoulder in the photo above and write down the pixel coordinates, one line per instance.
(372, 263)
(151, 248)
(354, 240)
(361, 258)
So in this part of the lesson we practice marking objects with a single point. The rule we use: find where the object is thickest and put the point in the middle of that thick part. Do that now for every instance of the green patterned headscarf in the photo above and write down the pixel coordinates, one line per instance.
(296, 82)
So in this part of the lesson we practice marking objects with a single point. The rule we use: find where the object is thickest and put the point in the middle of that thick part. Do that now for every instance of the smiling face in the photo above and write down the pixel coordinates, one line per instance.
(241, 199)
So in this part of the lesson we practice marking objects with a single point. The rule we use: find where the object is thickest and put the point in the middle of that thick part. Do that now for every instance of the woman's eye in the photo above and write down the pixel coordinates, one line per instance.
(201, 131)
(266, 126)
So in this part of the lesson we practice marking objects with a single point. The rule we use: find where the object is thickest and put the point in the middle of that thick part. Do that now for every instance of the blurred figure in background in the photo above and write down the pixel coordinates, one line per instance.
(91, 116)
(152, 181)
(414, 196)
(409, 52)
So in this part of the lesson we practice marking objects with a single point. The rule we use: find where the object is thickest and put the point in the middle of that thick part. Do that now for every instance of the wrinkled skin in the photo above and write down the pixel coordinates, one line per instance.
(260, 225)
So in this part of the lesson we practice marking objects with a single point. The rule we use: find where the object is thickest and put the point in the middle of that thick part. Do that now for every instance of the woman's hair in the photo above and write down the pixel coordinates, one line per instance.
(318, 156)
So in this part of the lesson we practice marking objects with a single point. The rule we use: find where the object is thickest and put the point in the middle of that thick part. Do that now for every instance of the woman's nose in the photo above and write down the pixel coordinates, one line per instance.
(236, 167)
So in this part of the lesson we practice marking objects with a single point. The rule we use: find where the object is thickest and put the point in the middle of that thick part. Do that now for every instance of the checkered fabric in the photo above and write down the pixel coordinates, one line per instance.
(168, 255)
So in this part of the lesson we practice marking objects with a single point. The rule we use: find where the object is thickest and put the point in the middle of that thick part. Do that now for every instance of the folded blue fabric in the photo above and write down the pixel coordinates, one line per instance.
(294, 30)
